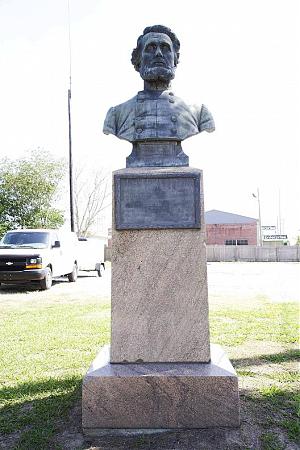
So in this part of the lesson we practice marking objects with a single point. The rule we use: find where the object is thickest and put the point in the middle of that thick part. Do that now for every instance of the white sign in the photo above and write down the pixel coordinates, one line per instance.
(268, 228)
(275, 237)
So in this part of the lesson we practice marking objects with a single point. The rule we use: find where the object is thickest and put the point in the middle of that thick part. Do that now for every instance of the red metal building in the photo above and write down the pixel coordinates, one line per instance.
(223, 228)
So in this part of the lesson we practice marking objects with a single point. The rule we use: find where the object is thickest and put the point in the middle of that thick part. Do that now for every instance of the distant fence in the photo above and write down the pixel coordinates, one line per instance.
(253, 253)
(217, 253)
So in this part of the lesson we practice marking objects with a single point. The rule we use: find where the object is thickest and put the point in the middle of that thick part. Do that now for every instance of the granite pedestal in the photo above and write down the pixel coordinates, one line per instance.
(160, 371)
(160, 395)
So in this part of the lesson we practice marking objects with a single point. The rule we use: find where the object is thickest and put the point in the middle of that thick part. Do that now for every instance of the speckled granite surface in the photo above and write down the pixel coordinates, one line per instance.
(160, 395)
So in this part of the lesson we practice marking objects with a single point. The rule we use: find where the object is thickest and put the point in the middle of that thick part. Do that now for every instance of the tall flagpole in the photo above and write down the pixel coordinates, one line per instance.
(70, 131)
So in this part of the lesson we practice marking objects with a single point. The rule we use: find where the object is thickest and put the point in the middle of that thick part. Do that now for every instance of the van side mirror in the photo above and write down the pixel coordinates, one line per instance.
(56, 244)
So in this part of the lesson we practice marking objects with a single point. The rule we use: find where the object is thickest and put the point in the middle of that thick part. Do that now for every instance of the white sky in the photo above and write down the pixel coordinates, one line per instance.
(239, 57)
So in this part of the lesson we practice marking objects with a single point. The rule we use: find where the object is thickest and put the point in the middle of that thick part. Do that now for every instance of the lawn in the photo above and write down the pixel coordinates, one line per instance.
(46, 348)
(47, 344)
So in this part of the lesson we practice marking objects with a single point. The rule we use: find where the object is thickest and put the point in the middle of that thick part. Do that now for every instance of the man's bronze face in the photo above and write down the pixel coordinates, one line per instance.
(157, 58)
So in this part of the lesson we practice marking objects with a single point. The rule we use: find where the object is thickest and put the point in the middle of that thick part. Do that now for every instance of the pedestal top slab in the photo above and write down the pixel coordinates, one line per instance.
(153, 171)
(218, 366)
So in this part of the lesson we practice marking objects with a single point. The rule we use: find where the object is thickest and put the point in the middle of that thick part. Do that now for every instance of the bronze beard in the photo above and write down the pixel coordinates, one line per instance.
(157, 73)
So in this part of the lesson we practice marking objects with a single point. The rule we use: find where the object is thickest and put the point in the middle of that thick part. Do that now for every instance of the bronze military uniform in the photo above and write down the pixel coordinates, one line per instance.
(157, 115)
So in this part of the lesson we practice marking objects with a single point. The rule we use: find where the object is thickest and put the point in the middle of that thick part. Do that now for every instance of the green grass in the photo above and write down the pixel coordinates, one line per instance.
(47, 346)
(45, 350)
(270, 442)
(273, 391)
(290, 355)
(245, 373)
(275, 322)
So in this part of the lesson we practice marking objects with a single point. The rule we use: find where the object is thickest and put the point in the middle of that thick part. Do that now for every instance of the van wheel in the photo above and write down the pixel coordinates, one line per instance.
(46, 282)
(100, 270)
(74, 274)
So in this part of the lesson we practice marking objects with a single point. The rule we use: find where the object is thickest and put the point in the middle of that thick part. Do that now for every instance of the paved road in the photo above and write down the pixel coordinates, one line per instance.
(279, 282)
(88, 285)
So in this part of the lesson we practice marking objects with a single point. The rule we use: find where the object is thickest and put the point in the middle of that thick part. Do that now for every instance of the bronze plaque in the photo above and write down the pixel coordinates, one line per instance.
(157, 201)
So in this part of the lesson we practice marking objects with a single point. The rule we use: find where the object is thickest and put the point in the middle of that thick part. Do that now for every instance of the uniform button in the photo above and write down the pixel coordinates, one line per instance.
(174, 119)
(171, 100)
(173, 130)
(139, 130)
(171, 93)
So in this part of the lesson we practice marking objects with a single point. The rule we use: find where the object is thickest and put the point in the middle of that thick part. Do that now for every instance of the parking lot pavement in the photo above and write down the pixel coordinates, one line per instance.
(278, 282)
(87, 284)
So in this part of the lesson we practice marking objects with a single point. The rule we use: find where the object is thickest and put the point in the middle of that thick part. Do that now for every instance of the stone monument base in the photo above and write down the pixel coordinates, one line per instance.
(159, 395)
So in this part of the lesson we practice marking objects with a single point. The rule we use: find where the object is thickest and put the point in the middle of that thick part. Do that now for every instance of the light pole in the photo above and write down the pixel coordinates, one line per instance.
(259, 217)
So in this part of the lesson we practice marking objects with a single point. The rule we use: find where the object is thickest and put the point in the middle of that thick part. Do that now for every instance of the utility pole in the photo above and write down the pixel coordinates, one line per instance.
(70, 163)
(279, 213)
(72, 223)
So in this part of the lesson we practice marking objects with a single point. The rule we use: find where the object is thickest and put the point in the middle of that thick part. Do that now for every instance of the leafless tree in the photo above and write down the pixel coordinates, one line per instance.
(91, 196)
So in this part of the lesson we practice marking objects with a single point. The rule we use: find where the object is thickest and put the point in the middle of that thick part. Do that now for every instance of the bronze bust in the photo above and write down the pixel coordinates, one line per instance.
(156, 114)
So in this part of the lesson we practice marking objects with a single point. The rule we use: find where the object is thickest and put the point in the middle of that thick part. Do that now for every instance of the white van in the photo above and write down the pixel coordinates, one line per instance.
(91, 254)
(38, 255)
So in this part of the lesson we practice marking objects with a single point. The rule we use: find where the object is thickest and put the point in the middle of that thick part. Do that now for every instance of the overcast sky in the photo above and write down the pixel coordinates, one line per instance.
(239, 57)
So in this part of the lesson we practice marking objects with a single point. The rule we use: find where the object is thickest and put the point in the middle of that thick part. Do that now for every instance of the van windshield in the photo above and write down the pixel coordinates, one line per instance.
(31, 239)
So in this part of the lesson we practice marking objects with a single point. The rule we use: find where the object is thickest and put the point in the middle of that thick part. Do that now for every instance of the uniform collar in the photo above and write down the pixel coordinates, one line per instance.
(154, 95)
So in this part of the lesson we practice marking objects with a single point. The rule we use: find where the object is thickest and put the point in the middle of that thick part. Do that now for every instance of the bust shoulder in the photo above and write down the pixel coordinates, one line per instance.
(118, 115)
